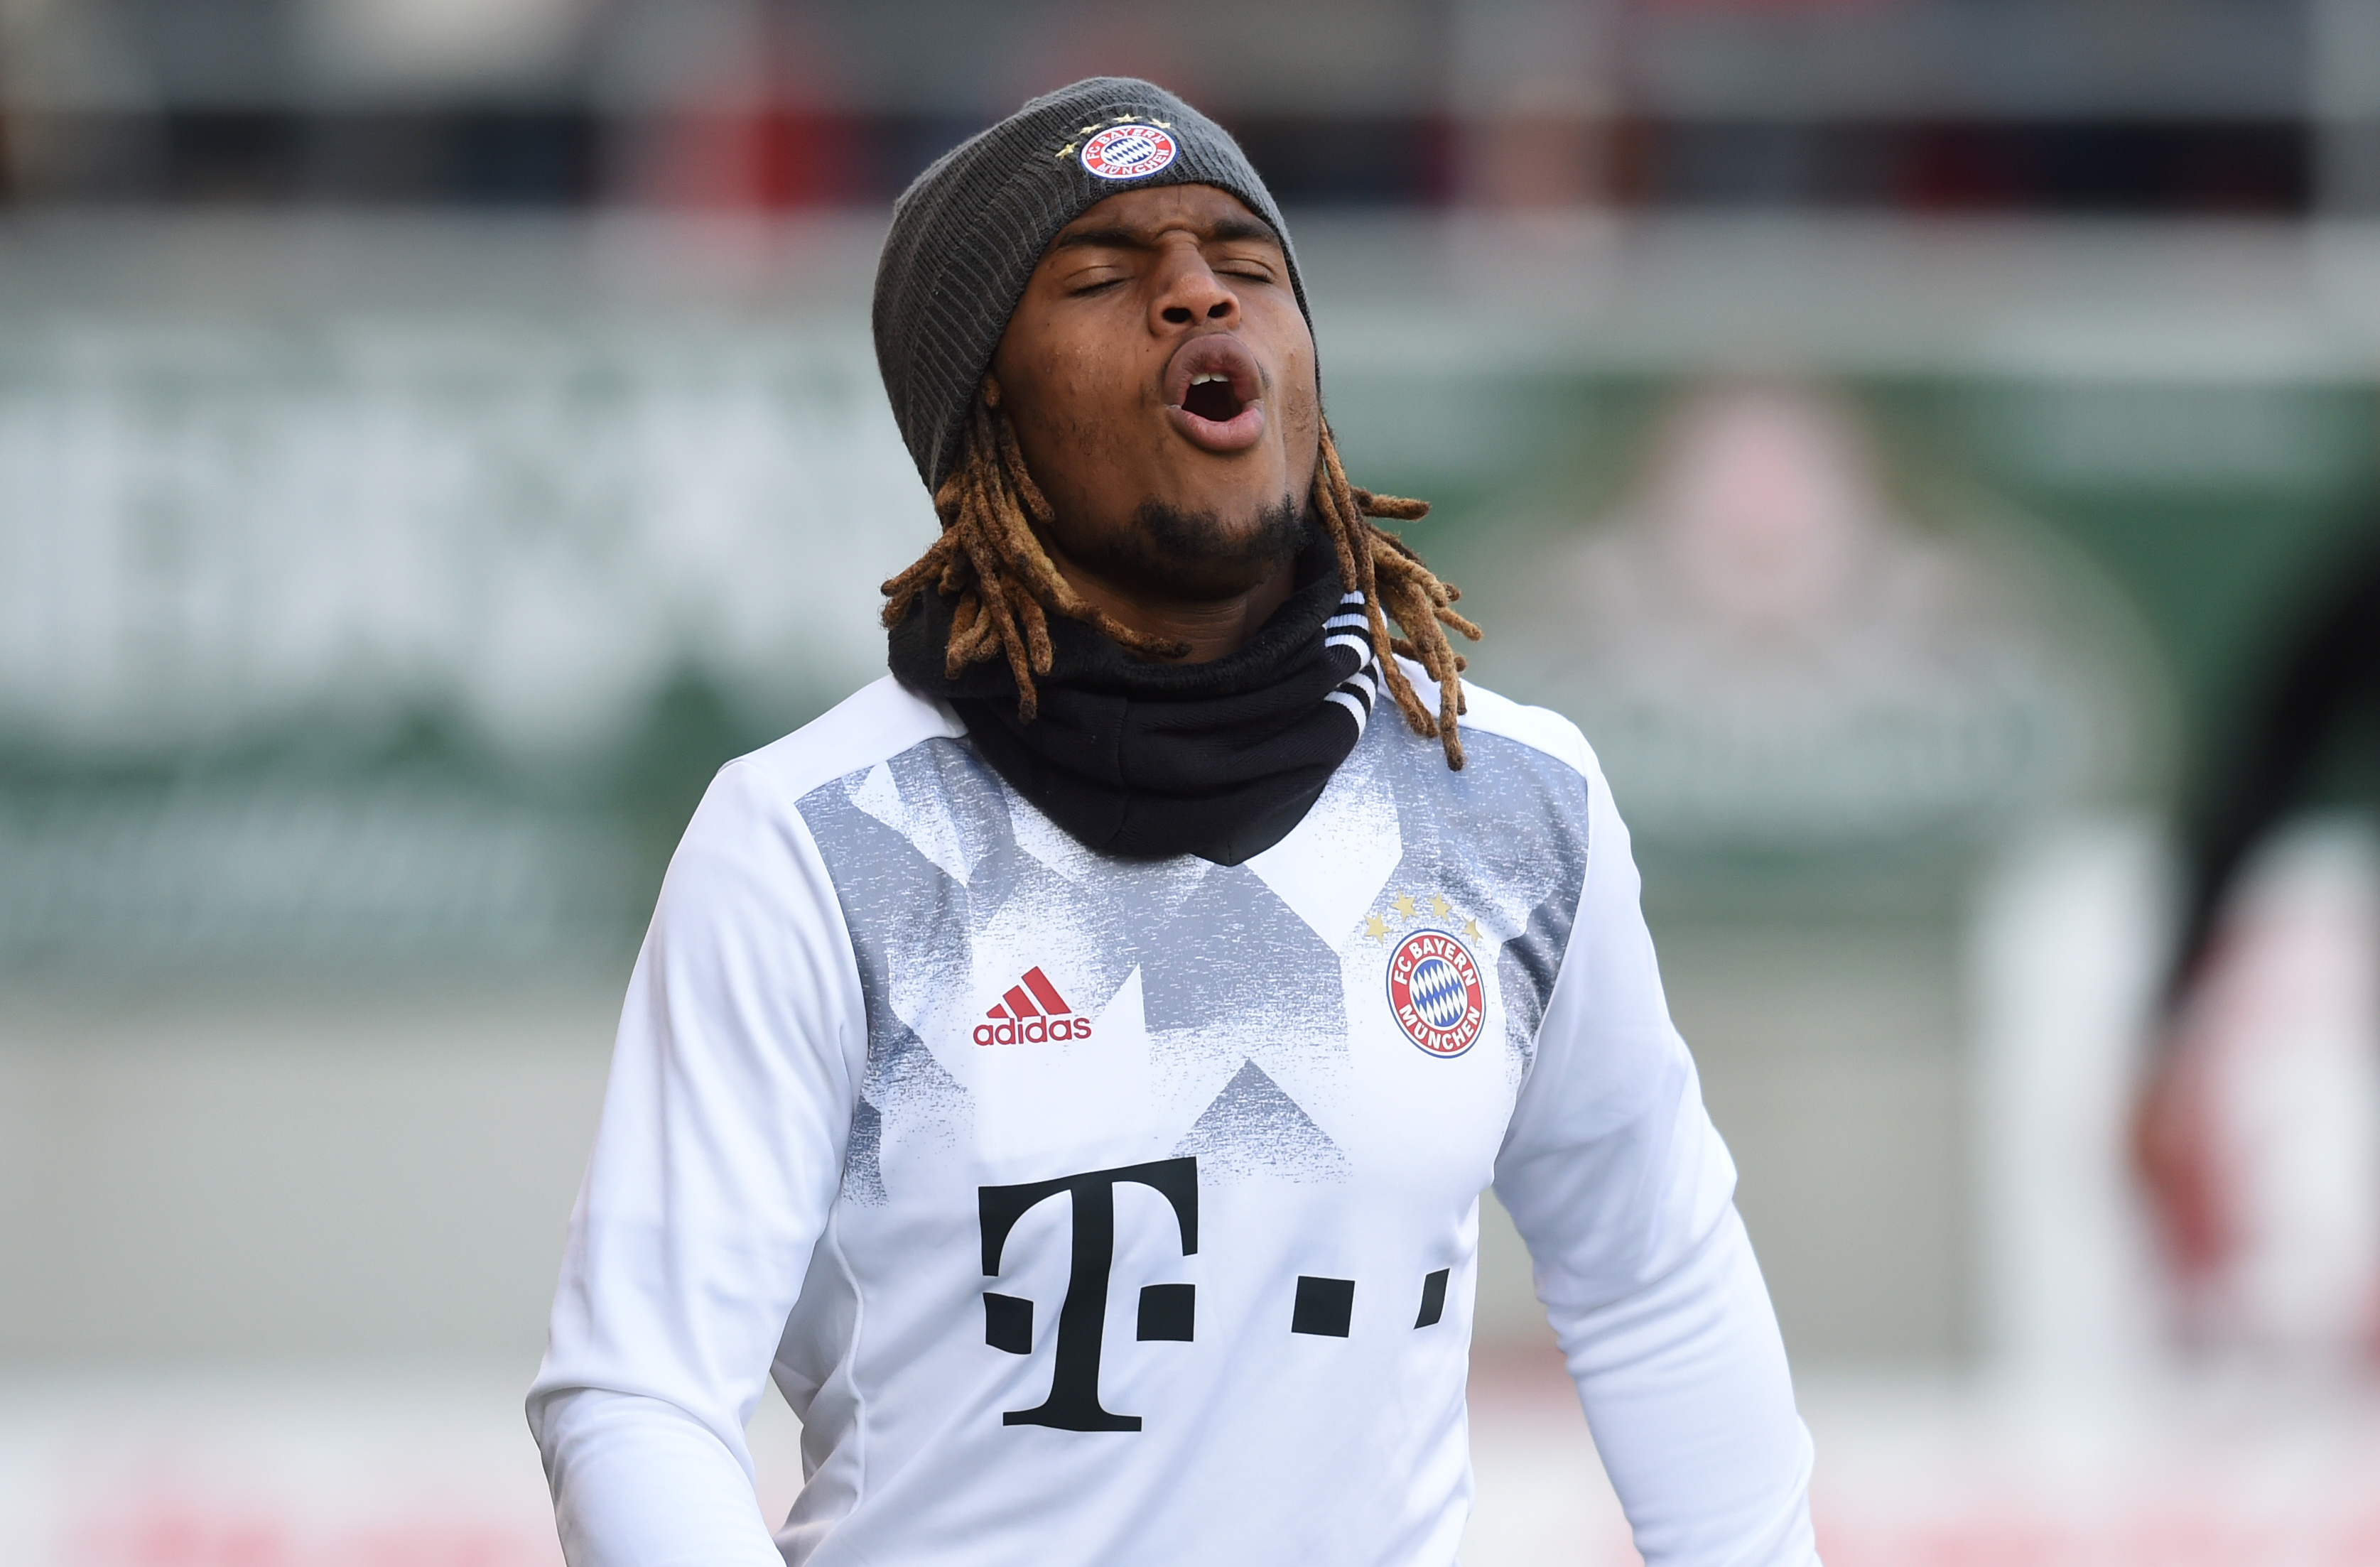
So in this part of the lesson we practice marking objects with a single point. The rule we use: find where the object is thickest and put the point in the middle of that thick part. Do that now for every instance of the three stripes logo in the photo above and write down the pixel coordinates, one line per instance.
(1032, 1013)
(1349, 630)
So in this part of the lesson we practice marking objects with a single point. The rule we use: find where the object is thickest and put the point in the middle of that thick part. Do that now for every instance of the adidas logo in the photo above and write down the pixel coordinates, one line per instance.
(1033, 1012)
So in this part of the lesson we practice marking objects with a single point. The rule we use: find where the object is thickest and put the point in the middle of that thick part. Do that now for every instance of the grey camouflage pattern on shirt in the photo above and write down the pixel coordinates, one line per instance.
(931, 854)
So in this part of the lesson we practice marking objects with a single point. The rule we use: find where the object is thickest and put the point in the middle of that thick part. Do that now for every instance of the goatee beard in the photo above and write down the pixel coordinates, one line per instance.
(1196, 555)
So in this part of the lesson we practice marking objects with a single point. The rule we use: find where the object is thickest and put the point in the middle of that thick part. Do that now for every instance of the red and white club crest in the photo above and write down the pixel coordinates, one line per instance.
(1434, 989)
(1128, 152)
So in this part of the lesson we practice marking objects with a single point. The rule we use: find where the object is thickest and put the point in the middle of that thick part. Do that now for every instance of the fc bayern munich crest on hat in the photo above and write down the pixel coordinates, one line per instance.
(1129, 152)
(1434, 989)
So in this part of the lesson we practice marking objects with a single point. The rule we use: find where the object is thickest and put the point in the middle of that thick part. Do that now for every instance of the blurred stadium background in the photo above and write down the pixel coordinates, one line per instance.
(434, 435)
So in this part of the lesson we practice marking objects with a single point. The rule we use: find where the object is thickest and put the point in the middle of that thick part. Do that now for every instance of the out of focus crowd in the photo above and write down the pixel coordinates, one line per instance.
(1935, 106)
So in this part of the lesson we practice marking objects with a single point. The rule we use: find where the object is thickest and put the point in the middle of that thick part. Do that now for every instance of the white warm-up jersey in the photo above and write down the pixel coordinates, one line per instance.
(1100, 1211)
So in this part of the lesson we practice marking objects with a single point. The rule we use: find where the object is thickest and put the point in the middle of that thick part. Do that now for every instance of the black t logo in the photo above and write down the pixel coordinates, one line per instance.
(1073, 1401)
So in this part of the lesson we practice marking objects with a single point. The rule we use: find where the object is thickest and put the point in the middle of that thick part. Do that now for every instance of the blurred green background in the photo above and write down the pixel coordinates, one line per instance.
(385, 592)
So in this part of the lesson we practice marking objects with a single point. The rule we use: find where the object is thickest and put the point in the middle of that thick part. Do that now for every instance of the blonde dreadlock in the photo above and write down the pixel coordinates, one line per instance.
(990, 560)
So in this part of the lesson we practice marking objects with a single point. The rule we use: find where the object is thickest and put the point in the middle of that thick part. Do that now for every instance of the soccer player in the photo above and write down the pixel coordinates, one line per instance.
(1071, 1066)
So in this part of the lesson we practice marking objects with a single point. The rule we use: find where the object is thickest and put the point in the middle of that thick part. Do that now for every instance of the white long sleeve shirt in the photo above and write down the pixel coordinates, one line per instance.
(1102, 1211)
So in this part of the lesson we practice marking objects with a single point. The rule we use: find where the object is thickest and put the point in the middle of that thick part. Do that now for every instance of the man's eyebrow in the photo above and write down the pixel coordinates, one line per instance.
(1138, 239)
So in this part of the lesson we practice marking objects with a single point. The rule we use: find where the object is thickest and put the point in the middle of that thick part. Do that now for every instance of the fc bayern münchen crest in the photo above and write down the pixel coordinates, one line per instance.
(1434, 989)
(1128, 152)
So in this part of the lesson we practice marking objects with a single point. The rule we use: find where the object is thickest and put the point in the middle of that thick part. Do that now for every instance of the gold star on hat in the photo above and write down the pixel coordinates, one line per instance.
(1404, 905)
(1376, 928)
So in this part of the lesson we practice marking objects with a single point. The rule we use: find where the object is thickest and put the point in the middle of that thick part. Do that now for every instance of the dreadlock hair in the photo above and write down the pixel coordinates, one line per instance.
(990, 560)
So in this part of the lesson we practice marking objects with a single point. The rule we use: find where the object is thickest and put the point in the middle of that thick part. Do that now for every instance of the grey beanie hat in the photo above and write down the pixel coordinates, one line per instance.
(968, 232)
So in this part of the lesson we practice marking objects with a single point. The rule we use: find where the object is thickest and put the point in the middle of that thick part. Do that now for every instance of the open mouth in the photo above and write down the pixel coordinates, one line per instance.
(1214, 394)
(1210, 398)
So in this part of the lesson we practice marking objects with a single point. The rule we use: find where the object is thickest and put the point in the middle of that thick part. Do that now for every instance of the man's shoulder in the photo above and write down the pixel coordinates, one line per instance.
(875, 723)
(1541, 731)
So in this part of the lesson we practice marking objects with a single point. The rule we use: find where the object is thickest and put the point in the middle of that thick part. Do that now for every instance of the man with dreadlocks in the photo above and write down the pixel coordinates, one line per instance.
(1071, 1066)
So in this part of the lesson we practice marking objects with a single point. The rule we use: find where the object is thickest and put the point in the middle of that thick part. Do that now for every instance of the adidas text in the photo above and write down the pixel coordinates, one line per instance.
(1032, 1030)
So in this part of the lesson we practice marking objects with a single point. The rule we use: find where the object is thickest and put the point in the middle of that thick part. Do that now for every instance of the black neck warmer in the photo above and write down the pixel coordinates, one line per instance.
(1148, 759)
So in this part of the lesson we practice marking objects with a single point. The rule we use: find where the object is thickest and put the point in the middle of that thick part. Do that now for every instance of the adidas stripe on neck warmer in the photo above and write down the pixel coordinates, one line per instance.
(1149, 760)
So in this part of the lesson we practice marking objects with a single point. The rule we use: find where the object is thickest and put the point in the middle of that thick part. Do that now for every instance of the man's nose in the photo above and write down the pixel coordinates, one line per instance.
(1190, 293)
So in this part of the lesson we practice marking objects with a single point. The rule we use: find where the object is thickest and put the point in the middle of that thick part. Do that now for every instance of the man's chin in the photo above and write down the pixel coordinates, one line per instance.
(1202, 555)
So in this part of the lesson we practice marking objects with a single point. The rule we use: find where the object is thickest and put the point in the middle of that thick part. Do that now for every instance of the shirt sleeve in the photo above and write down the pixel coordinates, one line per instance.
(1620, 1187)
(715, 1167)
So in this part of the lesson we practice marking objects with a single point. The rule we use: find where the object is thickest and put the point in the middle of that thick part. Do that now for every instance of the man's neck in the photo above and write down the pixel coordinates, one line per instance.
(1210, 628)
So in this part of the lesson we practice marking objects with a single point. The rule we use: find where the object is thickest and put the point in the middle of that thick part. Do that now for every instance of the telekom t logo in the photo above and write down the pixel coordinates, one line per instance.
(1167, 1311)
(1323, 1307)
(1033, 1012)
